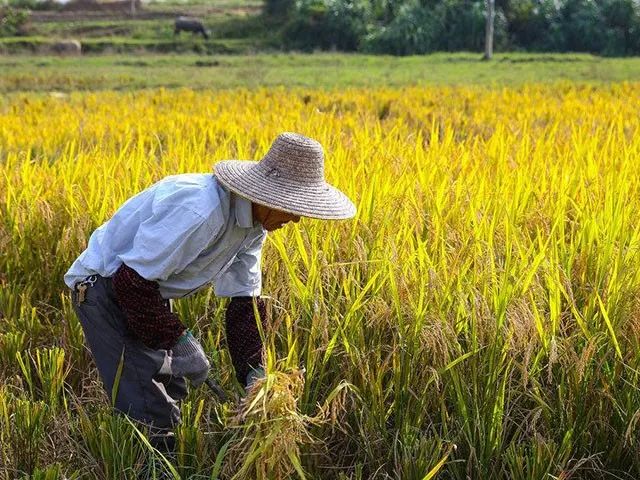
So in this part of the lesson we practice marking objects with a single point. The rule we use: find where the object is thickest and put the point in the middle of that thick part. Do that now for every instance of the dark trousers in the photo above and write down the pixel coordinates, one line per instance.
(128, 368)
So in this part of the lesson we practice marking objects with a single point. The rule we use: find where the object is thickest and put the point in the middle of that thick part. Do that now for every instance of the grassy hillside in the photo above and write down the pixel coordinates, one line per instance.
(234, 26)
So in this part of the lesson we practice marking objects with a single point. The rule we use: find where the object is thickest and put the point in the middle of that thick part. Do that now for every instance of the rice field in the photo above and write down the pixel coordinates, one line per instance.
(478, 319)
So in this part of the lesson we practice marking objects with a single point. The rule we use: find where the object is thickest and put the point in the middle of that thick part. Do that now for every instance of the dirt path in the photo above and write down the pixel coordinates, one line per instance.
(142, 14)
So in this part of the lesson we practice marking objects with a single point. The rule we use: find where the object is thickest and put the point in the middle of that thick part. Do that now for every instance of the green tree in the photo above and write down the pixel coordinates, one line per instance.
(12, 21)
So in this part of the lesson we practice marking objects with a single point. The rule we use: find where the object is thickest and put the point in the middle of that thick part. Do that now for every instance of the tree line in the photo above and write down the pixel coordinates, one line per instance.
(406, 27)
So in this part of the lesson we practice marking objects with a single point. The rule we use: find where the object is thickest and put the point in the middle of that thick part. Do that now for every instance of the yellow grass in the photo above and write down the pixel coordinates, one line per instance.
(480, 313)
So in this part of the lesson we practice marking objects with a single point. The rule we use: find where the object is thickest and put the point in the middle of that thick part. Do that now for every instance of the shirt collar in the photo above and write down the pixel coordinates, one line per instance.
(244, 216)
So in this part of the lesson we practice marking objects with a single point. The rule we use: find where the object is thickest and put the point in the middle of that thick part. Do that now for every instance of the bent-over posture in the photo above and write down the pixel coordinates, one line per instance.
(173, 239)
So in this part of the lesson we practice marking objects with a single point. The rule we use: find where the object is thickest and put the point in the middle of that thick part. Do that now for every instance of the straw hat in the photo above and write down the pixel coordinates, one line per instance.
(290, 177)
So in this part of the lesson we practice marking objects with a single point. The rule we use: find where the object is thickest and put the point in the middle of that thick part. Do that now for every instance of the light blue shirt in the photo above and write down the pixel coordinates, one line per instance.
(184, 232)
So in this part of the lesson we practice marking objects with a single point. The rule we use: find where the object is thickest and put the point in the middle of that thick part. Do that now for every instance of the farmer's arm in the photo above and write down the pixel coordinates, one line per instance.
(242, 281)
(243, 336)
(148, 315)
(165, 243)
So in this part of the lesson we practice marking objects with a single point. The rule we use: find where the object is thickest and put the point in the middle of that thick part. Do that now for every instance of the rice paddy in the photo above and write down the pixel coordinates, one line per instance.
(478, 319)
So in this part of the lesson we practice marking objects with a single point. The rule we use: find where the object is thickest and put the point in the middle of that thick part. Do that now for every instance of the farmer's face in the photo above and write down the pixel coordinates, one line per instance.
(271, 218)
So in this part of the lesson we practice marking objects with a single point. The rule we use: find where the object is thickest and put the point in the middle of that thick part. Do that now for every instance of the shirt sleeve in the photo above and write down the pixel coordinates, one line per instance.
(167, 242)
(243, 278)
(148, 315)
(243, 336)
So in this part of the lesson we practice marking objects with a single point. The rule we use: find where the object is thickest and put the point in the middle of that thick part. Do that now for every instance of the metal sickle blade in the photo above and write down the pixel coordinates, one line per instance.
(216, 389)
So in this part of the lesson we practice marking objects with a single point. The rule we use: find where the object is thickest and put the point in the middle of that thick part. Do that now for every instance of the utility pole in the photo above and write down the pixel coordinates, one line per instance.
(488, 32)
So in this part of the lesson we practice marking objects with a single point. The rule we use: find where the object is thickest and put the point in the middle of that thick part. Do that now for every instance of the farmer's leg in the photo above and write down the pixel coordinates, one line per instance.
(140, 393)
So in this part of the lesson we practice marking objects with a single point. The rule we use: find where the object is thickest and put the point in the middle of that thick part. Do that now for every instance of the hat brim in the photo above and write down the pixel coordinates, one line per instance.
(322, 200)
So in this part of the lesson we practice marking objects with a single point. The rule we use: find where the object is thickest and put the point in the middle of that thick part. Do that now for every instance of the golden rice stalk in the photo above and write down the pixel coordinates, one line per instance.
(272, 428)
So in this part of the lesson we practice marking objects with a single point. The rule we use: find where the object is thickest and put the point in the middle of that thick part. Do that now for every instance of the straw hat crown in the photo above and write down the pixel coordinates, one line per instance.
(290, 177)
(296, 158)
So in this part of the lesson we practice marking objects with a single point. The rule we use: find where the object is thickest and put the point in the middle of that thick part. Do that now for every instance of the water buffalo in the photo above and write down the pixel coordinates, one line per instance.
(67, 47)
(189, 24)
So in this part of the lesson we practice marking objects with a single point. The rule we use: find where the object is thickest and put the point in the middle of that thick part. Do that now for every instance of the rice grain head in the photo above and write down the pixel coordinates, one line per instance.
(272, 429)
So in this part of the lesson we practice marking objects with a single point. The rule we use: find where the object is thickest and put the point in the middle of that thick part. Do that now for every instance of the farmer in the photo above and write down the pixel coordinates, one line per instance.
(174, 239)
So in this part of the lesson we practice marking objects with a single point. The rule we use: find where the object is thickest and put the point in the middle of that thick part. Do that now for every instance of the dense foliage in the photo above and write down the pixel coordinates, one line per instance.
(609, 27)
(12, 20)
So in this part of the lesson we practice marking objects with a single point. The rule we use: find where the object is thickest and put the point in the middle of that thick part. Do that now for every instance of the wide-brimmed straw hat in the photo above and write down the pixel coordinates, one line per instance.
(290, 177)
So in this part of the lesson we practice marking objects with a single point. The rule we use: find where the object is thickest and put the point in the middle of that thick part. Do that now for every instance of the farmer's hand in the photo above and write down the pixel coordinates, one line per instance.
(187, 359)
(254, 375)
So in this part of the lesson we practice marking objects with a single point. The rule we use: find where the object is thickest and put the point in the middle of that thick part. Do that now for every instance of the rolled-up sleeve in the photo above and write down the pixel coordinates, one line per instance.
(167, 242)
(243, 277)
